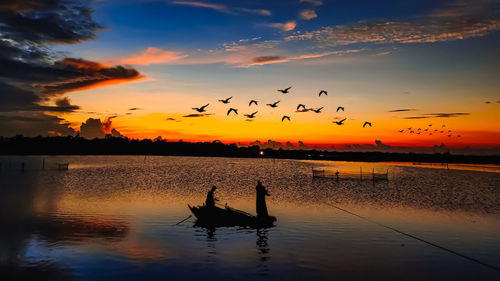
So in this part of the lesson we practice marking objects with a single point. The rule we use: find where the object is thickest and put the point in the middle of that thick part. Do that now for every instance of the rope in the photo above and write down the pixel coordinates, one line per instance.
(417, 238)
(182, 220)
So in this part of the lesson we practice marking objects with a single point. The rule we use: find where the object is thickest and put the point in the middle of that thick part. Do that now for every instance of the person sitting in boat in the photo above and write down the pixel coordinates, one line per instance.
(261, 200)
(210, 198)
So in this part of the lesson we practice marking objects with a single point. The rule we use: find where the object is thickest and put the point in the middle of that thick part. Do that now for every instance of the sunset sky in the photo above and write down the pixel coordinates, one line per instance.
(141, 66)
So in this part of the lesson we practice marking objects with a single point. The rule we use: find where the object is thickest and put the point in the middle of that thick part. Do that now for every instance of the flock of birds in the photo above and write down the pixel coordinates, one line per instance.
(429, 131)
(300, 108)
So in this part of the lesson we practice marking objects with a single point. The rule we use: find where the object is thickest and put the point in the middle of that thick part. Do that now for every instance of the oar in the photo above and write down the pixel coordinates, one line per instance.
(182, 220)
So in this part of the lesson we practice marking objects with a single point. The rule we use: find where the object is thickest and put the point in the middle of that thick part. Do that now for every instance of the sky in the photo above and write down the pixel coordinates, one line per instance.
(138, 68)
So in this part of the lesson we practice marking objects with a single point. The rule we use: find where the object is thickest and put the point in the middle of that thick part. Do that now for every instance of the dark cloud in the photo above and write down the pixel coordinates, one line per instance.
(437, 115)
(304, 110)
(134, 108)
(31, 73)
(94, 128)
(402, 110)
(32, 124)
(198, 115)
(266, 59)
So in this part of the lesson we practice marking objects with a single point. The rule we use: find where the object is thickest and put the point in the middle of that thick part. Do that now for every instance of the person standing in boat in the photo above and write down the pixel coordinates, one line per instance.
(261, 200)
(210, 198)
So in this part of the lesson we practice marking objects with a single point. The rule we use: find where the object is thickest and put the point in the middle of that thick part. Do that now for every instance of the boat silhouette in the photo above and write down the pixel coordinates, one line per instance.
(227, 216)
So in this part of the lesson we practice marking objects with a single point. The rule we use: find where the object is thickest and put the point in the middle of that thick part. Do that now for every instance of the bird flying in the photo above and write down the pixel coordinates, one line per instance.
(285, 117)
(301, 105)
(318, 110)
(367, 123)
(232, 109)
(323, 92)
(226, 100)
(401, 131)
(251, 115)
(285, 91)
(273, 104)
(341, 122)
(340, 108)
(201, 109)
(252, 101)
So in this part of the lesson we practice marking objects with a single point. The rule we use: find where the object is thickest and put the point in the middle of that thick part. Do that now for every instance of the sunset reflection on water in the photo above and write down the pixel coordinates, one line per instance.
(114, 217)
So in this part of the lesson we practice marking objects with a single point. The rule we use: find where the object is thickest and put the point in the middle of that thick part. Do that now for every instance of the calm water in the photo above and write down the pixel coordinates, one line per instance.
(112, 218)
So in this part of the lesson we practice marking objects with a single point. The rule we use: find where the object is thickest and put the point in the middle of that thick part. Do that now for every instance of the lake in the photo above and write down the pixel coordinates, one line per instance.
(115, 218)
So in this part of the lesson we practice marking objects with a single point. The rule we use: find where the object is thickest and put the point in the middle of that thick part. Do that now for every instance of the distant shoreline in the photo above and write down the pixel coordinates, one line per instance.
(121, 146)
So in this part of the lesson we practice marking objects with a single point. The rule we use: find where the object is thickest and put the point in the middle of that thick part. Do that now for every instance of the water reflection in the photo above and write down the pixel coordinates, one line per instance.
(263, 251)
(113, 218)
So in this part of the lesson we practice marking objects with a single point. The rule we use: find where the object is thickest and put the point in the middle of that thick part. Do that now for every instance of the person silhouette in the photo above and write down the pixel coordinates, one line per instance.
(261, 200)
(210, 202)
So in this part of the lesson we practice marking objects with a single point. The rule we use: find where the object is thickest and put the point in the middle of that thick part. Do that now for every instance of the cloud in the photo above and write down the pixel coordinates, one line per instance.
(94, 128)
(261, 12)
(463, 20)
(223, 8)
(134, 108)
(287, 26)
(198, 115)
(32, 73)
(217, 7)
(402, 110)
(152, 55)
(313, 2)
(90, 75)
(32, 124)
(267, 60)
(308, 14)
(171, 119)
(437, 115)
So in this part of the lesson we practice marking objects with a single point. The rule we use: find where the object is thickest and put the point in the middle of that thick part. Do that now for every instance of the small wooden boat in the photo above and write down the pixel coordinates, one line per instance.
(215, 216)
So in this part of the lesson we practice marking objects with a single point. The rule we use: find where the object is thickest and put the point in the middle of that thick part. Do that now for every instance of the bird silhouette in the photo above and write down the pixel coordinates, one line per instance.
(442, 132)
(401, 131)
(409, 128)
(340, 108)
(341, 122)
(435, 130)
(430, 134)
(443, 126)
(301, 105)
(251, 115)
(285, 117)
(449, 131)
(418, 133)
(201, 109)
(323, 92)
(430, 125)
(449, 136)
(232, 109)
(426, 130)
(419, 129)
(226, 100)
(253, 101)
(411, 132)
(367, 123)
(273, 105)
(285, 91)
(318, 110)
(459, 136)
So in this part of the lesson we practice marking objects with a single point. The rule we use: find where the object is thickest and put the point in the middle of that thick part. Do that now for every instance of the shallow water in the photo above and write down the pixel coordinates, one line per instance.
(114, 217)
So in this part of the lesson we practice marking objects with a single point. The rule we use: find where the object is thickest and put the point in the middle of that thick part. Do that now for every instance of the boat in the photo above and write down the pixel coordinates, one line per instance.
(227, 216)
